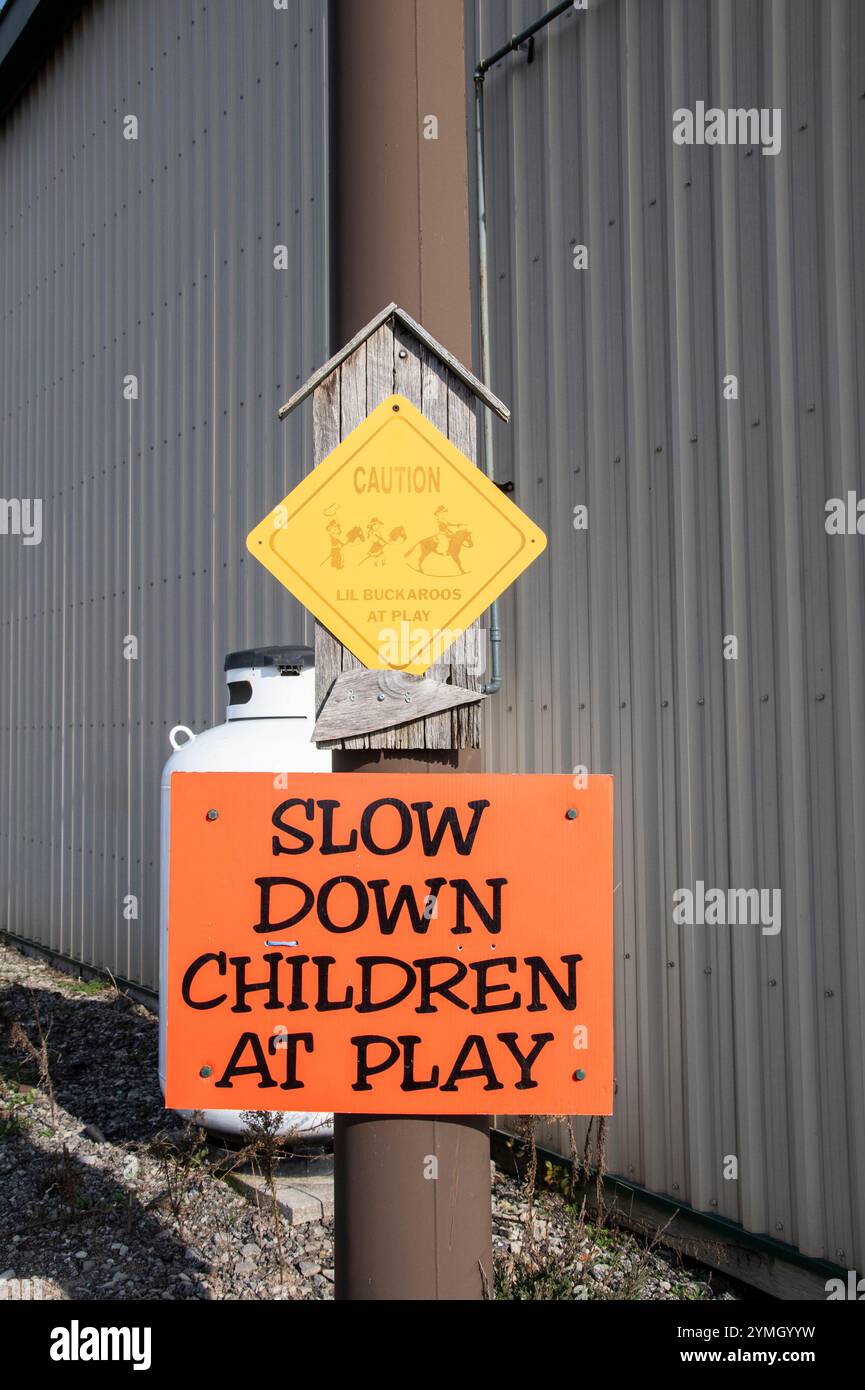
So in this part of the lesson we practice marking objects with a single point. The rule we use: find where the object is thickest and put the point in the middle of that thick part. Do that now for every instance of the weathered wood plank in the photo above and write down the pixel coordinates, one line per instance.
(379, 385)
(463, 432)
(326, 411)
(379, 367)
(372, 701)
(407, 382)
(353, 412)
(434, 398)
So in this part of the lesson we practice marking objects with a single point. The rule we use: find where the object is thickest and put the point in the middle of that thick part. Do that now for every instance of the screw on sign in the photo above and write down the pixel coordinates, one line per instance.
(433, 948)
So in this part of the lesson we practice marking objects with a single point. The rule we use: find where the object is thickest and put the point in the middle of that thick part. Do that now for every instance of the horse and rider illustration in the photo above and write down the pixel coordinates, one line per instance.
(375, 533)
(450, 539)
(380, 541)
(371, 544)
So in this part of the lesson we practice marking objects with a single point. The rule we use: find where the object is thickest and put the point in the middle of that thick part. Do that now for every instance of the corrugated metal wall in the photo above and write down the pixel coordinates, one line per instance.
(706, 518)
(152, 257)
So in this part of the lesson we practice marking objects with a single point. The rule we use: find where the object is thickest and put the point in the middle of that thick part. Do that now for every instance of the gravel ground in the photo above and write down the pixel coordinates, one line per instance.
(103, 1197)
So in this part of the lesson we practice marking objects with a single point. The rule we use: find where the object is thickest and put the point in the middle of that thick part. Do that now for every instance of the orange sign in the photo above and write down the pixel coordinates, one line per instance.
(404, 944)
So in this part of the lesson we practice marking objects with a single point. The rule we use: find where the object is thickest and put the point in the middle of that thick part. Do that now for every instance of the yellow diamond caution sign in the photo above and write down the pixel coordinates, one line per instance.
(396, 541)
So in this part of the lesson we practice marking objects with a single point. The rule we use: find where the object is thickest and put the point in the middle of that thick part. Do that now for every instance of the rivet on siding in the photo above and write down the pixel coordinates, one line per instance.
(627, 955)
(693, 439)
(713, 1202)
(579, 1074)
(403, 353)
(828, 993)
(707, 970)
(701, 700)
(378, 697)
(671, 964)
(821, 696)
(809, 409)
(206, 1071)
(773, 982)
(571, 813)
(764, 699)
(675, 1187)
(664, 704)
(755, 422)
(623, 705)
(213, 815)
(395, 408)
(779, 1225)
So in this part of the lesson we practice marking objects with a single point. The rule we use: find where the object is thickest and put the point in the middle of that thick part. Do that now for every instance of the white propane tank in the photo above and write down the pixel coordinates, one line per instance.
(268, 728)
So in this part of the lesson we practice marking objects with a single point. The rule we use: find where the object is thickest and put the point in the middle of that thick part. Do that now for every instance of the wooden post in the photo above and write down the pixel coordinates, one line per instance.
(412, 1193)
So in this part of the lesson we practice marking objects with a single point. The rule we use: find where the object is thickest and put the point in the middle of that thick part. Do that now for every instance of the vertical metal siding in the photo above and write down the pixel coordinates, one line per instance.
(152, 257)
(706, 518)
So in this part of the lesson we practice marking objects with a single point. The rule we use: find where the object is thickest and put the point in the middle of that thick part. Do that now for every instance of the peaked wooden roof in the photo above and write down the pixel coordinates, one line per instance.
(395, 312)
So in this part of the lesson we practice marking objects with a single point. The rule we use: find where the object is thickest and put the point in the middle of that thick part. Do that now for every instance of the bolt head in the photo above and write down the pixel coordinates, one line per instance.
(213, 815)
(571, 813)
(206, 1071)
